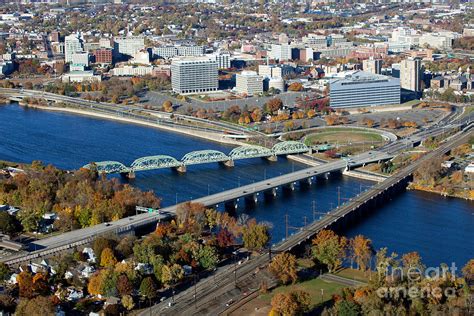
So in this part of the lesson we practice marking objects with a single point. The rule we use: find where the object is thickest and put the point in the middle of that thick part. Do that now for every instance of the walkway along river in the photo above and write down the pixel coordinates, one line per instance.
(438, 228)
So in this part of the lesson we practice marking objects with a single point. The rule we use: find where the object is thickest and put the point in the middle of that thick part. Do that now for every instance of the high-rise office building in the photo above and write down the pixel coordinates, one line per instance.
(128, 45)
(194, 74)
(410, 74)
(358, 88)
(248, 83)
(372, 65)
(72, 45)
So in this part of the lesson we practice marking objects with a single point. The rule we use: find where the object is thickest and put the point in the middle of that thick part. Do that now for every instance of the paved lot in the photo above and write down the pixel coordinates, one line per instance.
(157, 98)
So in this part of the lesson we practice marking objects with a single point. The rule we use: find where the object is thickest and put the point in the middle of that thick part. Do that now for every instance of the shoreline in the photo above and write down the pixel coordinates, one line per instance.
(193, 133)
(422, 188)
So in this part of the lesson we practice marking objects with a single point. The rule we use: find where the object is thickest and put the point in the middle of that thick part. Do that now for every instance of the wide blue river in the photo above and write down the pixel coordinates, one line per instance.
(440, 229)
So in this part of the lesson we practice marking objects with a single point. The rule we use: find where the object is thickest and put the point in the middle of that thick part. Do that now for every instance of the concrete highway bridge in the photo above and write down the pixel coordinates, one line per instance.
(52, 245)
(203, 298)
(205, 156)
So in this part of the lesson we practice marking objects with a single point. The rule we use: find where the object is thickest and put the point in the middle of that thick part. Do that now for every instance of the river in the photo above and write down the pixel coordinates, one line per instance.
(439, 229)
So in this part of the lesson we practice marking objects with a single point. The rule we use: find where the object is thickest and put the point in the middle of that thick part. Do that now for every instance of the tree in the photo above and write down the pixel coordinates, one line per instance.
(347, 308)
(273, 105)
(25, 284)
(40, 305)
(361, 251)
(100, 244)
(94, 287)
(171, 274)
(224, 238)
(283, 266)
(168, 106)
(148, 288)
(9, 224)
(124, 286)
(329, 249)
(4, 272)
(468, 270)
(295, 86)
(255, 236)
(127, 302)
(207, 257)
(107, 258)
(295, 302)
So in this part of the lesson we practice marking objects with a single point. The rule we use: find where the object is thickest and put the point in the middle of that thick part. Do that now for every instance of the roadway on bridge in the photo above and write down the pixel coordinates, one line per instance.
(211, 288)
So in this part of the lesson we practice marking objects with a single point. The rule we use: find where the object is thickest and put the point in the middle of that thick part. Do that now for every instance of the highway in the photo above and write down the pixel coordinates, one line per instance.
(207, 290)
(135, 112)
(51, 245)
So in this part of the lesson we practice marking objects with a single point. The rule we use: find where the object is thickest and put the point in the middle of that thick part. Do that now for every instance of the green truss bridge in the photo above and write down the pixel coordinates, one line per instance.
(201, 157)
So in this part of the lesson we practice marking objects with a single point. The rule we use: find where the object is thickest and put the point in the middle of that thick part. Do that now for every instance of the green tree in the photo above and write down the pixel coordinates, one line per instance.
(207, 257)
(148, 288)
(9, 224)
(4, 272)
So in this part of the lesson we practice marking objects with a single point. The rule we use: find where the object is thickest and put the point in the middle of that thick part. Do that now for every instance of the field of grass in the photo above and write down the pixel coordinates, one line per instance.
(319, 290)
(342, 136)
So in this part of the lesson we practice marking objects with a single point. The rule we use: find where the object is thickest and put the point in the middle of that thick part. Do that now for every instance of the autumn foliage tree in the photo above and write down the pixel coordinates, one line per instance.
(361, 251)
(273, 105)
(294, 302)
(283, 266)
(329, 249)
(107, 258)
(255, 236)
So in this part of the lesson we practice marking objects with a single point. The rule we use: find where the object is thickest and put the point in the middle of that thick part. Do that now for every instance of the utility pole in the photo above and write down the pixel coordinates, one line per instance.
(286, 225)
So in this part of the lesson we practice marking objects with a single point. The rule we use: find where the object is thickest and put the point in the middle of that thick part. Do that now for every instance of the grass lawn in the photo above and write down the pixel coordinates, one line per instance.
(342, 136)
(354, 274)
(315, 287)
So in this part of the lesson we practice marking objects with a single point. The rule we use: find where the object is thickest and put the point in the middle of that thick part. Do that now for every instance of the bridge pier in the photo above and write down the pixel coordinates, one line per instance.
(270, 193)
(272, 158)
(128, 175)
(231, 206)
(228, 163)
(306, 182)
(251, 199)
(289, 187)
(180, 169)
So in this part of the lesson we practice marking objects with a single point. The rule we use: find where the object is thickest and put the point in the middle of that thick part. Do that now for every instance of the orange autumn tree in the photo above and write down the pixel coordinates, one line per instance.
(361, 251)
(329, 249)
(283, 266)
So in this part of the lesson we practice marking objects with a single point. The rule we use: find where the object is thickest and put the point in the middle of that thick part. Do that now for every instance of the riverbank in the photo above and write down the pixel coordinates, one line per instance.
(465, 194)
(193, 133)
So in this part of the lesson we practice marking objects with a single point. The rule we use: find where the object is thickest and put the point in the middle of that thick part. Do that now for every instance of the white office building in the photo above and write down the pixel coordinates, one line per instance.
(194, 75)
(362, 89)
(129, 45)
(372, 65)
(410, 74)
(72, 45)
(275, 71)
(281, 52)
(167, 52)
(132, 71)
(80, 59)
(223, 60)
(248, 83)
